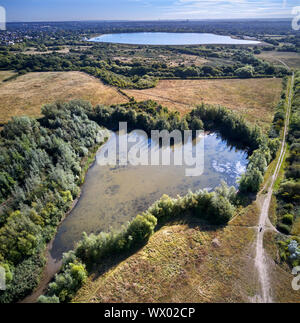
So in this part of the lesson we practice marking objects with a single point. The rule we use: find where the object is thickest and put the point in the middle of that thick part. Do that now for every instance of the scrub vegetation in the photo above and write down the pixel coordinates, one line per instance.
(215, 208)
(40, 176)
(43, 161)
(288, 192)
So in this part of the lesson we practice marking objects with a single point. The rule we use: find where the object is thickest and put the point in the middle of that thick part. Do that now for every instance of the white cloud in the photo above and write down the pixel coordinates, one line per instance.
(202, 9)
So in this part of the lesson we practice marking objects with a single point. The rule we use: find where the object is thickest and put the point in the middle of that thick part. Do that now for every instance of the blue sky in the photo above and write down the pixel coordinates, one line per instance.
(55, 10)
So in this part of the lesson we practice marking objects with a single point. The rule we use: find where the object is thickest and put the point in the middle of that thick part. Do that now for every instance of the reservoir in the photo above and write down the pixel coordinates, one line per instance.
(170, 39)
(113, 195)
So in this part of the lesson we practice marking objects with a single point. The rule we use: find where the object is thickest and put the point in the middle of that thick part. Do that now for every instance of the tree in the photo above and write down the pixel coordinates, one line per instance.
(250, 181)
(220, 211)
(142, 227)
(245, 72)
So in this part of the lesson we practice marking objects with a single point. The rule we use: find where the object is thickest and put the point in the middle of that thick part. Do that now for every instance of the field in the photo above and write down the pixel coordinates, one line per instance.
(34, 51)
(5, 75)
(290, 58)
(255, 99)
(183, 262)
(190, 262)
(166, 58)
(26, 94)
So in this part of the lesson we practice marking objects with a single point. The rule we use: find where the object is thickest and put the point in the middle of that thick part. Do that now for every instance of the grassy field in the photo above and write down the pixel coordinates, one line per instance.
(290, 58)
(34, 51)
(187, 60)
(183, 262)
(5, 75)
(190, 262)
(255, 99)
(26, 94)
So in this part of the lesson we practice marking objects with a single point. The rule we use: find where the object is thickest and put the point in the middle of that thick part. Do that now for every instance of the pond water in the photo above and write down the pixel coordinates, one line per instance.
(170, 39)
(113, 195)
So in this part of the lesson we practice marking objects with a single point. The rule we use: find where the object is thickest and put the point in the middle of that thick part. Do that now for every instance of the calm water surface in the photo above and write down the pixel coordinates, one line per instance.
(170, 39)
(113, 195)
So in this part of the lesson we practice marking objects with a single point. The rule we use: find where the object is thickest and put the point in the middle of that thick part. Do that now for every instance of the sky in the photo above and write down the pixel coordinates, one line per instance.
(63, 10)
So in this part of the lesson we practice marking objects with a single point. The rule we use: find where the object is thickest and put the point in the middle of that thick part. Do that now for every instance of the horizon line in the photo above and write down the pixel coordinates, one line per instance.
(149, 20)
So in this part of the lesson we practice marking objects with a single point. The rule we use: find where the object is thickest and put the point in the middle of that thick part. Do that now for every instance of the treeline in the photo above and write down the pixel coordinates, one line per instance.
(40, 174)
(147, 115)
(99, 62)
(288, 195)
(216, 208)
(261, 148)
(234, 27)
(279, 116)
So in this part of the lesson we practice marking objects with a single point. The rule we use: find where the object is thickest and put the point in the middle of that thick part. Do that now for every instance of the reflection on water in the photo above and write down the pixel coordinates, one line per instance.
(157, 38)
(113, 195)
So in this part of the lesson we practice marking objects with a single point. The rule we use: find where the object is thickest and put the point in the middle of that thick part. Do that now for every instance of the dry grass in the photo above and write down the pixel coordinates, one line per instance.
(5, 75)
(170, 59)
(34, 51)
(255, 99)
(183, 263)
(190, 262)
(26, 94)
(289, 58)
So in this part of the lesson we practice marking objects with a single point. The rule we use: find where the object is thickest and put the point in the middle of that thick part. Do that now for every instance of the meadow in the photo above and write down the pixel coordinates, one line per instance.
(292, 59)
(26, 94)
(255, 99)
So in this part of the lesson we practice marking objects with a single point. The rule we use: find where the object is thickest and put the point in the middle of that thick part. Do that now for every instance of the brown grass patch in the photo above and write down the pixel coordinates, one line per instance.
(290, 58)
(34, 51)
(26, 94)
(5, 75)
(192, 262)
(181, 263)
(255, 99)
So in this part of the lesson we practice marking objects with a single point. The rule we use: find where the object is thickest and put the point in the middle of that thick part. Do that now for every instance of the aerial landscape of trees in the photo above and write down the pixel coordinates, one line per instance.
(36, 196)
(40, 177)
(43, 161)
(288, 193)
(138, 75)
(57, 142)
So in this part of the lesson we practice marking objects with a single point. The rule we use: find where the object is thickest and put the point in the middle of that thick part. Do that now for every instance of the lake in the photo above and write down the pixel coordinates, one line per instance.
(170, 39)
(113, 195)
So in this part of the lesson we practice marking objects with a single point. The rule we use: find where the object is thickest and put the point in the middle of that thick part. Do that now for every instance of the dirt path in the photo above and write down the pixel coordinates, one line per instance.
(264, 223)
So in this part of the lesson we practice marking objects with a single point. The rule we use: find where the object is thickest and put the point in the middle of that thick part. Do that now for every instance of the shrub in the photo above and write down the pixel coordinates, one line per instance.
(251, 181)
(284, 228)
(141, 228)
(68, 282)
(288, 219)
(48, 299)
(245, 72)
(220, 211)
